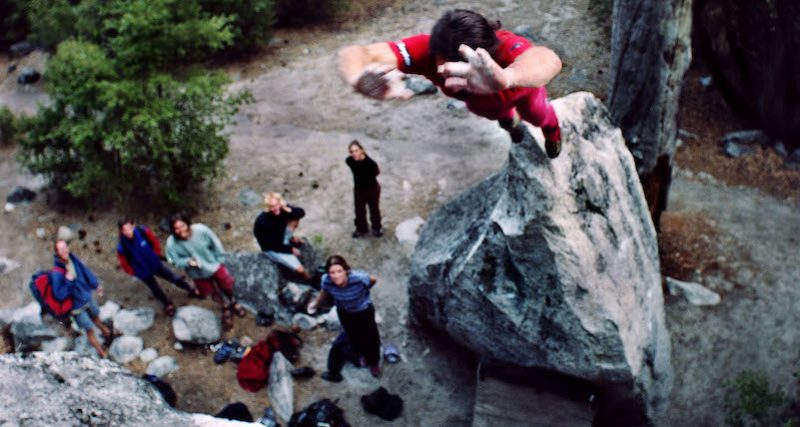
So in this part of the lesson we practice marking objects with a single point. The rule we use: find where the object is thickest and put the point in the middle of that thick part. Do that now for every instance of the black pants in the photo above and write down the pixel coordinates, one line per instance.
(341, 352)
(166, 274)
(362, 332)
(367, 197)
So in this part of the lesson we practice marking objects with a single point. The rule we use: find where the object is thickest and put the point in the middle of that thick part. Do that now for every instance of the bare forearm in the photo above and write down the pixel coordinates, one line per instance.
(534, 68)
(351, 62)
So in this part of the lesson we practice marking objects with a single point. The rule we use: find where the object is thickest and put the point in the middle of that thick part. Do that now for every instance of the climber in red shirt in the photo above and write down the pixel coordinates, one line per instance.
(499, 75)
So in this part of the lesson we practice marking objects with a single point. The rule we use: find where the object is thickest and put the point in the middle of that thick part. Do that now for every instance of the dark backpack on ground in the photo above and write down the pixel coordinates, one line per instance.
(41, 286)
(383, 404)
(321, 412)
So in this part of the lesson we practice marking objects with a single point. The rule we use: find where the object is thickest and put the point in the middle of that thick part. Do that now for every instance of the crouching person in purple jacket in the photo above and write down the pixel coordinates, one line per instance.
(79, 282)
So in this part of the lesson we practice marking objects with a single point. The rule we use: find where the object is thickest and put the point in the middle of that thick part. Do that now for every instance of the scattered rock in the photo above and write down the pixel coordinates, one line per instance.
(735, 150)
(56, 345)
(527, 32)
(685, 134)
(332, 322)
(746, 137)
(296, 296)
(162, 366)
(28, 329)
(706, 82)
(7, 265)
(28, 76)
(248, 197)
(131, 322)
(177, 346)
(513, 270)
(793, 161)
(148, 355)
(257, 280)
(126, 348)
(22, 48)
(65, 233)
(457, 107)
(780, 148)
(407, 232)
(420, 85)
(41, 233)
(695, 293)
(108, 310)
(281, 387)
(8, 207)
(304, 321)
(196, 325)
(21, 195)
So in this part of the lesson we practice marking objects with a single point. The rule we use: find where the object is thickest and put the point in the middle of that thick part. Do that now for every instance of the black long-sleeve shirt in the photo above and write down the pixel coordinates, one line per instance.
(270, 229)
(364, 172)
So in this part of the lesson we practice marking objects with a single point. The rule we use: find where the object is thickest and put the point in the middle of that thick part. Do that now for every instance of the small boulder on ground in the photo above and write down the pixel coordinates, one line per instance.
(248, 197)
(126, 348)
(281, 386)
(131, 322)
(20, 195)
(196, 325)
(65, 233)
(162, 366)
(108, 310)
(148, 355)
(695, 293)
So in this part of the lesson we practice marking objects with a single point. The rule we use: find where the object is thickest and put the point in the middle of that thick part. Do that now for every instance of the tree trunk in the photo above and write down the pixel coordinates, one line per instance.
(650, 52)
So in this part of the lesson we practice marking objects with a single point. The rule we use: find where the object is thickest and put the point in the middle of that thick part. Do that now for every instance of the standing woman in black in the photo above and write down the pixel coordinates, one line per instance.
(366, 190)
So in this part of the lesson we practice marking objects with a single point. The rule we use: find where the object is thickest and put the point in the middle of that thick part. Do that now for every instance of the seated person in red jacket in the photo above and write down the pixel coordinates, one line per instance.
(274, 230)
(499, 75)
(139, 254)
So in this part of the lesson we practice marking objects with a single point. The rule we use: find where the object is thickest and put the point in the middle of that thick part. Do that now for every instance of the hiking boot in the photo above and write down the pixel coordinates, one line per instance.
(514, 128)
(377, 233)
(552, 141)
(333, 377)
(356, 234)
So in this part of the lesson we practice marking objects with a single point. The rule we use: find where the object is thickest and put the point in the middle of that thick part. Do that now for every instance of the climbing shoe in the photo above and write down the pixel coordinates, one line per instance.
(552, 141)
(514, 128)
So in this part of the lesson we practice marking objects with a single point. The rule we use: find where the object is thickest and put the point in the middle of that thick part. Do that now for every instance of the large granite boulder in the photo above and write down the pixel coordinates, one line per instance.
(65, 389)
(554, 264)
(259, 280)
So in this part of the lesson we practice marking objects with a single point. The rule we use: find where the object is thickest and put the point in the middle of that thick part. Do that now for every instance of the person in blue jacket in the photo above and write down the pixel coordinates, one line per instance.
(139, 254)
(74, 279)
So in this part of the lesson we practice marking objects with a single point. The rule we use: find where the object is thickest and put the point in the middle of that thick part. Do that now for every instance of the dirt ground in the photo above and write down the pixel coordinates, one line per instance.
(732, 224)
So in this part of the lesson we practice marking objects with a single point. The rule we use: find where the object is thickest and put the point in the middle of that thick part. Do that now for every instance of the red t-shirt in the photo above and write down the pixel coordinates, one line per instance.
(414, 57)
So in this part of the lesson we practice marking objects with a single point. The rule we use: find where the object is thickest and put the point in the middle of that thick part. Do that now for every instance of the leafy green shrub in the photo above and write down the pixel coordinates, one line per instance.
(8, 126)
(750, 401)
(251, 23)
(299, 12)
(51, 21)
(108, 135)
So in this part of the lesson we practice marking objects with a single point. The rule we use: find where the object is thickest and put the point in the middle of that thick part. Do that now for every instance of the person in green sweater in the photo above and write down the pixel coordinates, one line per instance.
(198, 251)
